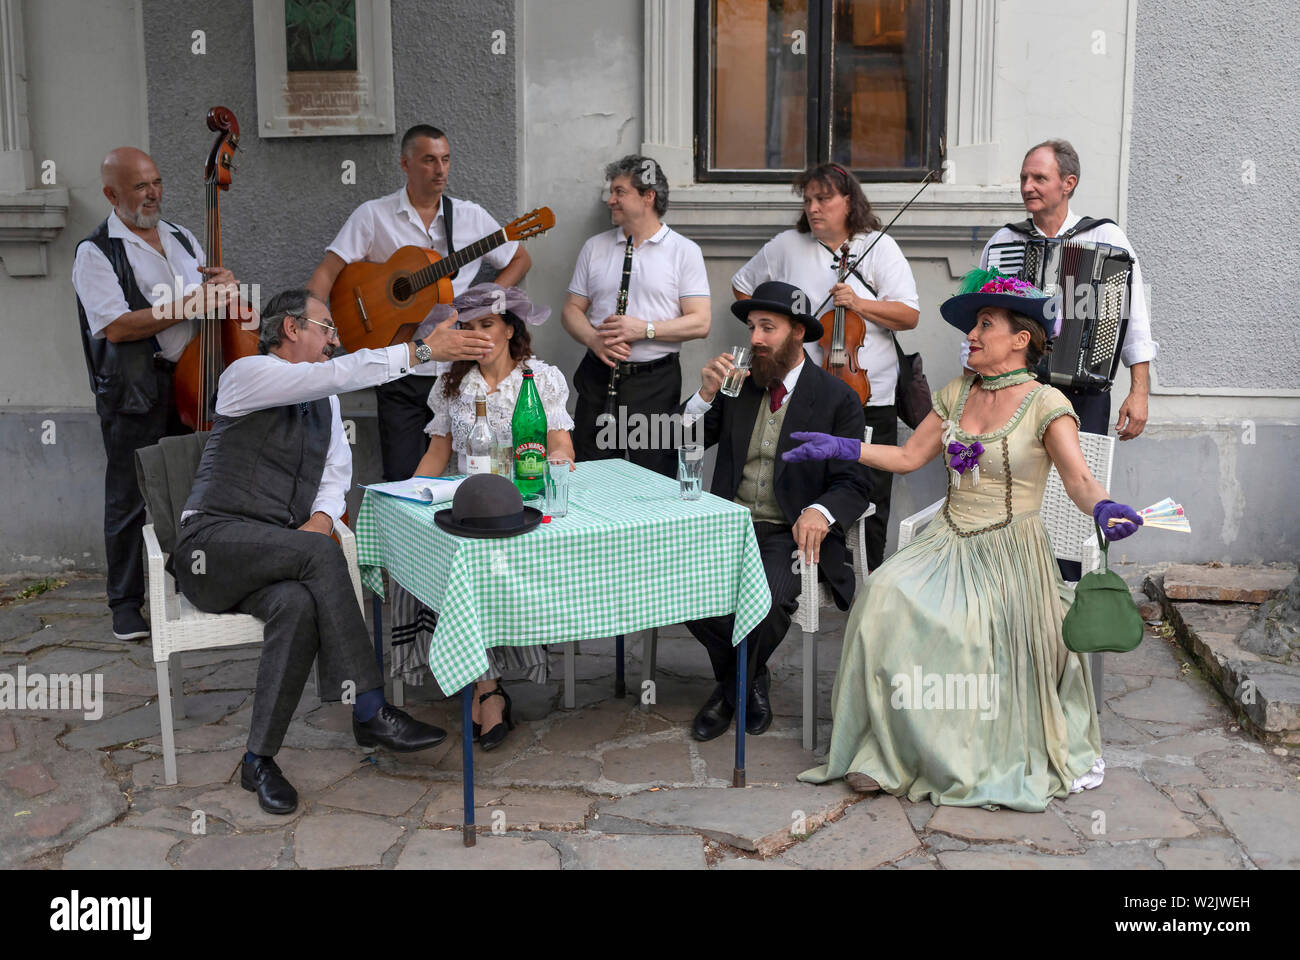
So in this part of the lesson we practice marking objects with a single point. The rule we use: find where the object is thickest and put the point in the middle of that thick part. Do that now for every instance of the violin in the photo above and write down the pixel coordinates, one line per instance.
(222, 338)
(845, 332)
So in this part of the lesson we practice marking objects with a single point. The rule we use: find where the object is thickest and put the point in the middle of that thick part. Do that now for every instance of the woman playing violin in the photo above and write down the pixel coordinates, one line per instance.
(881, 291)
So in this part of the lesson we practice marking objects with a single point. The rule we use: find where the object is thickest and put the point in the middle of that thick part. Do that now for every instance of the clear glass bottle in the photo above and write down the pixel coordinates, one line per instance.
(478, 447)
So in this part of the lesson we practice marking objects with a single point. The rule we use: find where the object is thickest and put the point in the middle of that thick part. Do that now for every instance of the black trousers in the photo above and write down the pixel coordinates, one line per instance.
(776, 547)
(1094, 417)
(123, 435)
(297, 583)
(403, 410)
(884, 429)
(642, 395)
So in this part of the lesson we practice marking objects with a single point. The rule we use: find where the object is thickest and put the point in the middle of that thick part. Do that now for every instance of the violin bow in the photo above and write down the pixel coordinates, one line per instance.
(854, 265)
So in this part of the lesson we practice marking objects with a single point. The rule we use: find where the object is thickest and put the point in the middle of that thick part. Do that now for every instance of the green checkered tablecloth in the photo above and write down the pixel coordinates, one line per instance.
(630, 555)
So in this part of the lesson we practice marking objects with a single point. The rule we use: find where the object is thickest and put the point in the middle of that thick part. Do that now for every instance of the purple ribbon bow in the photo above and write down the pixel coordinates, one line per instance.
(963, 457)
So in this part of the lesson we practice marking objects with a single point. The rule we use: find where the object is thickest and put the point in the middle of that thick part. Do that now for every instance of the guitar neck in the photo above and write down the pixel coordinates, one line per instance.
(449, 265)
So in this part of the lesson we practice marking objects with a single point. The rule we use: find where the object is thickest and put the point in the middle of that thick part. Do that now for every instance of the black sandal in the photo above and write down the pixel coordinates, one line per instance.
(491, 739)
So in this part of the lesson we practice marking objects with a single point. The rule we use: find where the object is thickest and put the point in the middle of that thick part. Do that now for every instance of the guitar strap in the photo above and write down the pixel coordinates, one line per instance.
(447, 226)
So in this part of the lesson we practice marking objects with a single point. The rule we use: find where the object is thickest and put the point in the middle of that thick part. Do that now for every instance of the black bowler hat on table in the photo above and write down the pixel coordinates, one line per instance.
(783, 298)
(485, 506)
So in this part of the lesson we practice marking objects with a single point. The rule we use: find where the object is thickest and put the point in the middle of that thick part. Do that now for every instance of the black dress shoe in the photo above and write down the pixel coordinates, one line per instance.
(758, 710)
(129, 623)
(275, 794)
(396, 730)
(714, 718)
(493, 738)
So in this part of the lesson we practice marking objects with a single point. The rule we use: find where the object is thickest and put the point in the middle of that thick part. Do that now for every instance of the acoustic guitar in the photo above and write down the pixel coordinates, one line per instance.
(378, 304)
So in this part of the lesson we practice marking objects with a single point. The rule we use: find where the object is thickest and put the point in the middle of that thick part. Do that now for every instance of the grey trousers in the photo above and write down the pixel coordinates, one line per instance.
(298, 584)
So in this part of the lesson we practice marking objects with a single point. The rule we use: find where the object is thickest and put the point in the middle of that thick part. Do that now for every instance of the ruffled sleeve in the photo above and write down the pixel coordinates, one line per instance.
(554, 392)
(945, 400)
(1048, 405)
(439, 402)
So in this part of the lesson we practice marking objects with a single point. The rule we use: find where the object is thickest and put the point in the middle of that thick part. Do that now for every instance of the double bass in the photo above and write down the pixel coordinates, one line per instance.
(845, 332)
(221, 339)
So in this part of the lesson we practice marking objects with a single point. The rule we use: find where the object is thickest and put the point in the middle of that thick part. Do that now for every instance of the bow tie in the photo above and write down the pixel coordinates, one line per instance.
(778, 394)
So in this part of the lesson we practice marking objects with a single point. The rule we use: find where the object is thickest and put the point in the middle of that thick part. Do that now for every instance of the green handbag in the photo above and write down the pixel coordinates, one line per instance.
(1103, 617)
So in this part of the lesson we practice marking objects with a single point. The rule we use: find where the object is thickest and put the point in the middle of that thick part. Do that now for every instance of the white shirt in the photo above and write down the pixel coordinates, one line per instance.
(666, 269)
(454, 416)
(698, 406)
(161, 277)
(379, 228)
(797, 258)
(1138, 345)
(265, 380)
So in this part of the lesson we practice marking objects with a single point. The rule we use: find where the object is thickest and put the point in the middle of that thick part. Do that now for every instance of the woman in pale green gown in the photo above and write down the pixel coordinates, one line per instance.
(954, 683)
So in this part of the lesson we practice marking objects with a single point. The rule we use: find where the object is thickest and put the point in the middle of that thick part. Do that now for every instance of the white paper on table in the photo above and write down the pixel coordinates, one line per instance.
(420, 489)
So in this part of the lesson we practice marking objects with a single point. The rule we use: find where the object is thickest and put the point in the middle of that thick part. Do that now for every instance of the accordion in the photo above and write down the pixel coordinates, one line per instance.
(1090, 283)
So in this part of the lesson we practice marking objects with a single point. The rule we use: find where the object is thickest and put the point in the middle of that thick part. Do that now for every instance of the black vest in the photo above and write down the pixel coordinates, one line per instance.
(122, 375)
(265, 465)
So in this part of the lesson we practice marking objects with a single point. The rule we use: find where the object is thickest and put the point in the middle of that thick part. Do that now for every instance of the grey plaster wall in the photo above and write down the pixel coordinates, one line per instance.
(288, 199)
(1216, 87)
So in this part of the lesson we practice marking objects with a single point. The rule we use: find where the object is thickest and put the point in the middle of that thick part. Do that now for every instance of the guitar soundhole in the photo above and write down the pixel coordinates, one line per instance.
(402, 289)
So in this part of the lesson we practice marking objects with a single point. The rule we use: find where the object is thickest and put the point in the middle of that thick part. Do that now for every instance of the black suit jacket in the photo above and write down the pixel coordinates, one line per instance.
(819, 402)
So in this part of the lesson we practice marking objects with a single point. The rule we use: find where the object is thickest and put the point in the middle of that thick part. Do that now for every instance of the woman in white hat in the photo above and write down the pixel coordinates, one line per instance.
(504, 314)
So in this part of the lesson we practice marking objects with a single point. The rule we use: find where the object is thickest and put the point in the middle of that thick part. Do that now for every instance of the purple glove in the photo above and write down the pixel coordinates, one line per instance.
(822, 446)
(1105, 510)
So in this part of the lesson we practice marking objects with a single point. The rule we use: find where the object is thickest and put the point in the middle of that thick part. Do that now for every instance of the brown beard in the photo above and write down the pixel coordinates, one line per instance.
(768, 370)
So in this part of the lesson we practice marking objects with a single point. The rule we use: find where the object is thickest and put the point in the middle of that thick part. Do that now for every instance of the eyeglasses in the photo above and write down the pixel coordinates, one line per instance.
(330, 329)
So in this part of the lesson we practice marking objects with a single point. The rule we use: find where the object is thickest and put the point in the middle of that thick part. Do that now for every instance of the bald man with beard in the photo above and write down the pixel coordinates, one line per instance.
(134, 328)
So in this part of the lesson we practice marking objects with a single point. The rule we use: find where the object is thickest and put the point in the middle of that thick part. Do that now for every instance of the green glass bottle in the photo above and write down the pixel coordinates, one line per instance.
(528, 429)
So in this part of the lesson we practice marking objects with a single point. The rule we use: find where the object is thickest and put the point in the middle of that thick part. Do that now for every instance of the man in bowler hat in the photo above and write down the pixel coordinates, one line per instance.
(800, 510)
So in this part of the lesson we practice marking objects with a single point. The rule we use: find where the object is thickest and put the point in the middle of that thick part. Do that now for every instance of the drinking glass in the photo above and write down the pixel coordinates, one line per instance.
(690, 470)
(503, 453)
(557, 486)
(731, 385)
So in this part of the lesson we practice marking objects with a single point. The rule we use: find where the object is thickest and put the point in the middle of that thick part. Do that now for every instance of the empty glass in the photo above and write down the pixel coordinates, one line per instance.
(690, 470)
(557, 486)
(731, 384)
(503, 453)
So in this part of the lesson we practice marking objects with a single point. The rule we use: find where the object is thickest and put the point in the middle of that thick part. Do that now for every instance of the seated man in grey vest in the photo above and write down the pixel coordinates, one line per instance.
(267, 492)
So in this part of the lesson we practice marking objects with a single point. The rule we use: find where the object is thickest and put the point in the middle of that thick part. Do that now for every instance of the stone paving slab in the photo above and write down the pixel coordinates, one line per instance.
(761, 819)
(1236, 584)
(555, 770)
(121, 848)
(629, 852)
(1189, 702)
(1266, 821)
(583, 730)
(663, 763)
(238, 807)
(445, 850)
(192, 770)
(1125, 807)
(873, 832)
(1201, 853)
(768, 758)
(143, 721)
(1004, 859)
(343, 840)
(1042, 831)
(367, 792)
(259, 851)
(515, 809)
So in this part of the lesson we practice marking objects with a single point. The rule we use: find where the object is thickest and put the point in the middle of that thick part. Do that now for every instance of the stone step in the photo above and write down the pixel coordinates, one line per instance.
(1234, 584)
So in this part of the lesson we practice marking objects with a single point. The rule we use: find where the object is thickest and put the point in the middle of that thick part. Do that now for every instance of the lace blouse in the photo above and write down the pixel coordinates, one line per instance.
(454, 415)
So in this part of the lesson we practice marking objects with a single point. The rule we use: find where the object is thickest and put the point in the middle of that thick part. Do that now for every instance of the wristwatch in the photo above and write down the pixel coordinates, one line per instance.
(649, 331)
(422, 352)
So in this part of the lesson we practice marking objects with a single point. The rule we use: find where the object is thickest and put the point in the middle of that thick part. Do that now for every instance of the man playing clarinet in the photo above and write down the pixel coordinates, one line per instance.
(633, 350)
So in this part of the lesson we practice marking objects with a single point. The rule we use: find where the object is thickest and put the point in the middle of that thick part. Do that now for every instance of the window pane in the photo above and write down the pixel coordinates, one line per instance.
(878, 83)
(759, 84)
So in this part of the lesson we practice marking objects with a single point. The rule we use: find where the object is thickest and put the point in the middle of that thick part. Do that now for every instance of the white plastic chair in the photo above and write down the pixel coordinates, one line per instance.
(177, 626)
(1071, 531)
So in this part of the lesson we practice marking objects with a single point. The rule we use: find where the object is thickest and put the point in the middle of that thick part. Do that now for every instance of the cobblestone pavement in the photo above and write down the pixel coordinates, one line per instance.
(608, 785)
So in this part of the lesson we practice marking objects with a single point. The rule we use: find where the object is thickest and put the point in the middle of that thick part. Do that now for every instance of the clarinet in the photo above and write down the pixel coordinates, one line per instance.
(611, 395)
